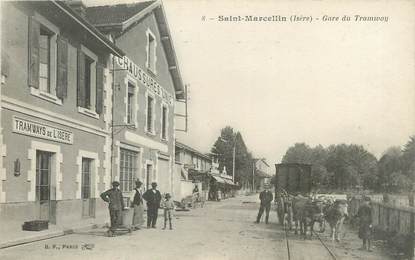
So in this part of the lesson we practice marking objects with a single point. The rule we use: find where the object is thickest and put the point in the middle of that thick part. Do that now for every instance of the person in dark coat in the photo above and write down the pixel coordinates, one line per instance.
(115, 203)
(153, 198)
(266, 199)
(364, 214)
(137, 205)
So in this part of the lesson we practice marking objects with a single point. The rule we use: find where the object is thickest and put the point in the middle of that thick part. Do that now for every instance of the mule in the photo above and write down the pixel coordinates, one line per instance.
(305, 214)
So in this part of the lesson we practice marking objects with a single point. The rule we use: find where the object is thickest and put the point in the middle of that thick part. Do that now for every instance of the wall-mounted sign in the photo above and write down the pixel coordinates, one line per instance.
(31, 128)
(139, 74)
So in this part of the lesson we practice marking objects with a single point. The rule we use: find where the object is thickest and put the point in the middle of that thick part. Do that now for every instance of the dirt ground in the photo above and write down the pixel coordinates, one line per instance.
(220, 230)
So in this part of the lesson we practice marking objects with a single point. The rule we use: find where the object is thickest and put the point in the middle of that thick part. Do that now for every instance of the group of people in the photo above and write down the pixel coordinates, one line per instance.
(364, 215)
(153, 200)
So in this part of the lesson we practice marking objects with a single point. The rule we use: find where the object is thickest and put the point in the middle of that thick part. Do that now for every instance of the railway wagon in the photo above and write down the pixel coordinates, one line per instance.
(291, 179)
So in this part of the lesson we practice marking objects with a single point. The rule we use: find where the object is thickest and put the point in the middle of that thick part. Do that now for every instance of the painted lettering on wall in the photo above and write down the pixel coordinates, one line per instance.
(31, 128)
(139, 74)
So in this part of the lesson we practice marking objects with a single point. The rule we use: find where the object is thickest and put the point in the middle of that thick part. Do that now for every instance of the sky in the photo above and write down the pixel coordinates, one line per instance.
(278, 83)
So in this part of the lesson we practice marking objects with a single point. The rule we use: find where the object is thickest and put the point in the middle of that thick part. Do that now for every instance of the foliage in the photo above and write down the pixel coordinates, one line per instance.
(224, 146)
(339, 166)
(408, 158)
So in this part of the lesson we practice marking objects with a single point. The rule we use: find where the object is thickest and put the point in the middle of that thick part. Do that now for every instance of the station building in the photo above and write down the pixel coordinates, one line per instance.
(55, 115)
(147, 84)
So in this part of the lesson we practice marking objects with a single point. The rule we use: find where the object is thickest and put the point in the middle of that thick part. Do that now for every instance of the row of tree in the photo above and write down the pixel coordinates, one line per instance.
(351, 166)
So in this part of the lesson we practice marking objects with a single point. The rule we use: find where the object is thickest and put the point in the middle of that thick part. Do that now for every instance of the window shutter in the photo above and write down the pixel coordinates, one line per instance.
(34, 35)
(5, 60)
(62, 70)
(99, 89)
(81, 79)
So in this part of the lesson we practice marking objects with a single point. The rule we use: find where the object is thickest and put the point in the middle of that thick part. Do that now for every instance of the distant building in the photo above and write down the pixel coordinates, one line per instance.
(147, 83)
(263, 173)
(55, 115)
(192, 167)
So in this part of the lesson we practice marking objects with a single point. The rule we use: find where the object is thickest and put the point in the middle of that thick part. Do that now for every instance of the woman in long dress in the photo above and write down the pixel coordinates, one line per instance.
(137, 204)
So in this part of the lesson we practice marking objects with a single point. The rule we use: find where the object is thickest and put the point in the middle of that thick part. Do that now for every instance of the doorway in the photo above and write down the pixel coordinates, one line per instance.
(43, 181)
(88, 203)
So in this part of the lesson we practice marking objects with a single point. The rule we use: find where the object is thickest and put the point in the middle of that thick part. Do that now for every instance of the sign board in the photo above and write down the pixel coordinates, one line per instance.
(145, 79)
(35, 129)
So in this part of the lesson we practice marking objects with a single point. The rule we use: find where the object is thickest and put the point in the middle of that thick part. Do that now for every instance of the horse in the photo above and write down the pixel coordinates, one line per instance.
(335, 215)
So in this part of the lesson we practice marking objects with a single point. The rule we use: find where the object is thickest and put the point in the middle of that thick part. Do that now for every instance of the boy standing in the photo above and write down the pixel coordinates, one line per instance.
(168, 206)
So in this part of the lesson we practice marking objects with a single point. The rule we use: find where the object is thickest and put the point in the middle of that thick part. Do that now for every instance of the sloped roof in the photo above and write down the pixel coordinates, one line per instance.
(114, 14)
(69, 17)
(121, 17)
(190, 149)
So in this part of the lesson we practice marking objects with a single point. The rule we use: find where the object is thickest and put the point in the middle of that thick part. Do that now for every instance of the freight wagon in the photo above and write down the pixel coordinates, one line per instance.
(291, 179)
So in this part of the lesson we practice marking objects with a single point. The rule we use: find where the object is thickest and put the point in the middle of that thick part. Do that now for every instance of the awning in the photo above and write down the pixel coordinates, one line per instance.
(219, 179)
(224, 180)
(229, 182)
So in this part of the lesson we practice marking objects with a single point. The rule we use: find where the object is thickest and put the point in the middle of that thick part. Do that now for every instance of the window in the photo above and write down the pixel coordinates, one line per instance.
(85, 81)
(151, 51)
(43, 175)
(128, 169)
(130, 100)
(44, 59)
(48, 58)
(150, 114)
(86, 178)
(90, 83)
(164, 114)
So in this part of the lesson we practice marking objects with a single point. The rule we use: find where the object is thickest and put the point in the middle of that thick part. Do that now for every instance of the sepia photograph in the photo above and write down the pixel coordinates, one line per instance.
(207, 129)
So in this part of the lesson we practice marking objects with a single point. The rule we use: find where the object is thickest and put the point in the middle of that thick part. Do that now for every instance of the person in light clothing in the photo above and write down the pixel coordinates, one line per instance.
(138, 206)
(168, 206)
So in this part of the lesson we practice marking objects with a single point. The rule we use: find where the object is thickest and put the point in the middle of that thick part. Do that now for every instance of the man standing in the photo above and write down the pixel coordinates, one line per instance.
(153, 198)
(137, 204)
(115, 203)
(364, 214)
(266, 199)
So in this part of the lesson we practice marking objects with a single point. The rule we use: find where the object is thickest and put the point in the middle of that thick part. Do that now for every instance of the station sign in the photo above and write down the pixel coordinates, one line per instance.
(141, 76)
(39, 130)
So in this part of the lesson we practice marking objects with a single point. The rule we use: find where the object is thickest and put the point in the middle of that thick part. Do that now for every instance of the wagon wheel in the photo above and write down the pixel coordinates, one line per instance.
(290, 218)
(280, 211)
(322, 226)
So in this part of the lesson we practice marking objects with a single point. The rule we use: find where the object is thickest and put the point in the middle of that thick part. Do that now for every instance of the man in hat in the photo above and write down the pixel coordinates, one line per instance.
(137, 205)
(364, 214)
(266, 199)
(115, 203)
(153, 198)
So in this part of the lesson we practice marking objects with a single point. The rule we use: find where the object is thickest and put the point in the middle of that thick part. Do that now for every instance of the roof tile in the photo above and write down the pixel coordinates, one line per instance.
(114, 14)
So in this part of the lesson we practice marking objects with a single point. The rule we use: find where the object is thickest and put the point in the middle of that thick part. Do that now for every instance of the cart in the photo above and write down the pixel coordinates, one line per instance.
(292, 179)
(126, 223)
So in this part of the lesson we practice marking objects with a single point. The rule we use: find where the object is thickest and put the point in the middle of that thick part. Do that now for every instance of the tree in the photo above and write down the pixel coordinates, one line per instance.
(352, 166)
(317, 156)
(408, 158)
(224, 146)
(389, 163)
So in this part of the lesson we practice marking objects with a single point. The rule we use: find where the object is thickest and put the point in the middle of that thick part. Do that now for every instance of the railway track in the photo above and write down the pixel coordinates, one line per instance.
(289, 249)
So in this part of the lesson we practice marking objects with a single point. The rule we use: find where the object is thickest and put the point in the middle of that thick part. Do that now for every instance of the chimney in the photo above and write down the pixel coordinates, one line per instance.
(78, 6)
